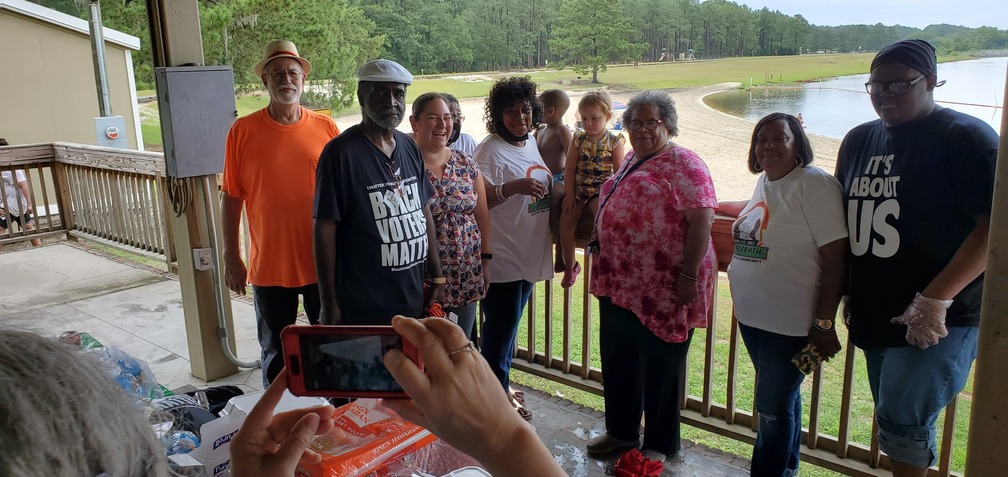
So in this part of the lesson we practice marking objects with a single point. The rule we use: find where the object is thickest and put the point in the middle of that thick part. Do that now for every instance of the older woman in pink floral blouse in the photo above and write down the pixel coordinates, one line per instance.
(652, 277)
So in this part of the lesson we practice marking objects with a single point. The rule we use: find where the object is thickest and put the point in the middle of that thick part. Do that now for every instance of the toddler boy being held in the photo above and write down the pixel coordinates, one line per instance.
(553, 141)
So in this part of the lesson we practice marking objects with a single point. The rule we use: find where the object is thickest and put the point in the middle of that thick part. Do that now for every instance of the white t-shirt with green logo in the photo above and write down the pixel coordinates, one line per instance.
(775, 270)
(519, 226)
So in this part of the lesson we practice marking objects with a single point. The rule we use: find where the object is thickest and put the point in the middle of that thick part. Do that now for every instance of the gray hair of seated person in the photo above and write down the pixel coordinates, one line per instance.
(63, 416)
(666, 109)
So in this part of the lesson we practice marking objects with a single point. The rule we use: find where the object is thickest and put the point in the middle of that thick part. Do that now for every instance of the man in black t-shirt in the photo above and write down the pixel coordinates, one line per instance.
(919, 185)
(374, 236)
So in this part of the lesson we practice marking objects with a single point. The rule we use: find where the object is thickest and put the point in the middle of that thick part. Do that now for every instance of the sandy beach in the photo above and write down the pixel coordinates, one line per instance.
(720, 139)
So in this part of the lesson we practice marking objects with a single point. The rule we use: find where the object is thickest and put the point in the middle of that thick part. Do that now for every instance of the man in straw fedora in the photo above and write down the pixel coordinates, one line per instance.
(374, 235)
(269, 169)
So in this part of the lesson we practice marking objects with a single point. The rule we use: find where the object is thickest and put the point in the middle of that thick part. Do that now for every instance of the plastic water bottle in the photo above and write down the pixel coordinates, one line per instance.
(182, 442)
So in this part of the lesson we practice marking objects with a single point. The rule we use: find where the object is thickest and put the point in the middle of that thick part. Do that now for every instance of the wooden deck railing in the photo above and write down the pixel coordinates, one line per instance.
(114, 196)
(565, 353)
(39, 167)
(119, 197)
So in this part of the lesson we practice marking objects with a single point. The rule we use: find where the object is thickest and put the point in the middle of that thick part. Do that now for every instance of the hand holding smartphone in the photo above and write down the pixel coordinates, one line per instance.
(343, 361)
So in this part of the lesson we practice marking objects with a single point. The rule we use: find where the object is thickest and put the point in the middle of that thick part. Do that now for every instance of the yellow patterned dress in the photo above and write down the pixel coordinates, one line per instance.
(594, 163)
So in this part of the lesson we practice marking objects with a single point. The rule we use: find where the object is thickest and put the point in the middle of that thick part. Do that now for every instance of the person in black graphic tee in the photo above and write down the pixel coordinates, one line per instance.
(374, 237)
(918, 184)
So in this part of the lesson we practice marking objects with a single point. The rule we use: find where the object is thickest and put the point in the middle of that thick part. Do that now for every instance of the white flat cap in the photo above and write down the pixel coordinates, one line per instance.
(384, 71)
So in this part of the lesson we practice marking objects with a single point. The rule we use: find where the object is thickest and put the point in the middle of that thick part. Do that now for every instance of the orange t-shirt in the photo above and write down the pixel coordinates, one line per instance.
(271, 167)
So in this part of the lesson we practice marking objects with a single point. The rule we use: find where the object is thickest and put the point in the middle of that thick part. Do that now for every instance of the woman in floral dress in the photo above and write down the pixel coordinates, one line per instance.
(458, 206)
(652, 278)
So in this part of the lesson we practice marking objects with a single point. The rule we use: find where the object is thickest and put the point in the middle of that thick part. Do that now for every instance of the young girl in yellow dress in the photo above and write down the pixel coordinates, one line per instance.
(592, 157)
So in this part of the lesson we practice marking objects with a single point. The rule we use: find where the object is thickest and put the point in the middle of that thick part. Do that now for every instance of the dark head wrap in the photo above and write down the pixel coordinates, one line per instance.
(917, 54)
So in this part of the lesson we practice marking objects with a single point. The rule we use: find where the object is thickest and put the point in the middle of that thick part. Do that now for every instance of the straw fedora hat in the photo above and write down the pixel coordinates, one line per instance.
(281, 49)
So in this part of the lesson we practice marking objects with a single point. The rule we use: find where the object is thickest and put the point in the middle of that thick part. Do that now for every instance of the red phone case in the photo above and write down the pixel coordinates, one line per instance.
(301, 368)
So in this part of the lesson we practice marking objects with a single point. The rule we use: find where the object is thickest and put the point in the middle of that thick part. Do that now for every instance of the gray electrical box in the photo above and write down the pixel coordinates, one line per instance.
(110, 131)
(197, 107)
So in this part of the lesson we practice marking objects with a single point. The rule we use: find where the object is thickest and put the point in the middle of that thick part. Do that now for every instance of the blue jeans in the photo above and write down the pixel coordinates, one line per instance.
(778, 401)
(466, 316)
(502, 311)
(275, 308)
(912, 385)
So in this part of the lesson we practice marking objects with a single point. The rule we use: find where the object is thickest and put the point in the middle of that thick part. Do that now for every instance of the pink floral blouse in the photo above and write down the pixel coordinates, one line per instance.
(642, 233)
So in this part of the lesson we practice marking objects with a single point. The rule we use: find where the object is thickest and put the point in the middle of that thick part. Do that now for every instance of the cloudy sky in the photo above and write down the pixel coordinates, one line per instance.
(916, 13)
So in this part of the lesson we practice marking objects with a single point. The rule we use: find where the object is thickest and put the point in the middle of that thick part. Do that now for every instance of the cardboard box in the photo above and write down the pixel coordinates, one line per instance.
(214, 452)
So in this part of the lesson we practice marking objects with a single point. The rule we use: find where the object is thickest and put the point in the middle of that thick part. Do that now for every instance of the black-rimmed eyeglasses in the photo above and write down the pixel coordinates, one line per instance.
(897, 88)
(650, 124)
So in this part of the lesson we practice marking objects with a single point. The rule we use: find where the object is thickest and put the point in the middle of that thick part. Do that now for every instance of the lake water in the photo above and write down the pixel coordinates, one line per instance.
(834, 106)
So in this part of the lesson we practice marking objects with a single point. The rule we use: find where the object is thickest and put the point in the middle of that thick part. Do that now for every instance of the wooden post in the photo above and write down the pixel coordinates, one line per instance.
(176, 41)
(64, 198)
(988, 436)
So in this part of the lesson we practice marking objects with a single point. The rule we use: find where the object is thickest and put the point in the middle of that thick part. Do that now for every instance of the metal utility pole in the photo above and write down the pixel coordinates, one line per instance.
(98, 56)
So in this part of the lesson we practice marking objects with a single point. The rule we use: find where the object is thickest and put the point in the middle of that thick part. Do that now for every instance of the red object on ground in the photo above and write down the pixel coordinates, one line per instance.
(436, 310)
(633, 464)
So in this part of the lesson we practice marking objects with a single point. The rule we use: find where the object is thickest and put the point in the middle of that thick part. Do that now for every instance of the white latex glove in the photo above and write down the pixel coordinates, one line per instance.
(925, 321)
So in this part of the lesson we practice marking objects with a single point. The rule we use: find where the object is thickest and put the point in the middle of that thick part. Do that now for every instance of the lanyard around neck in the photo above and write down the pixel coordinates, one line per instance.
(631, 168)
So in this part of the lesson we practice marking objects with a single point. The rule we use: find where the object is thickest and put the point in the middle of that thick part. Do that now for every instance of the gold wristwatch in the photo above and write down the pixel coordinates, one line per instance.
(823, 324)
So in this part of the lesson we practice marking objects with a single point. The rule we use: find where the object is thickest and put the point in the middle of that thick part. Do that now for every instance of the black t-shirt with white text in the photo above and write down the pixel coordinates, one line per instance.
(381, 232)
(913, 193)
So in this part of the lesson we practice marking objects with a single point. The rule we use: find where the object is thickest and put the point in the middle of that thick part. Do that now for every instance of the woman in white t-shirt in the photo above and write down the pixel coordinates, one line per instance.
(517, 187)
(786, 280)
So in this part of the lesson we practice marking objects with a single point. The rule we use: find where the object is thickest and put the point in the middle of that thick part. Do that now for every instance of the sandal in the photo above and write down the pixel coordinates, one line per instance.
(517, 395)
(524, 413)
(570, 276)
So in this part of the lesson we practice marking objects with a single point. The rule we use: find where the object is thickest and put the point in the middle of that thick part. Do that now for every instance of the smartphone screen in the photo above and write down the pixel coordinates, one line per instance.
(343, 360)
(346, 363)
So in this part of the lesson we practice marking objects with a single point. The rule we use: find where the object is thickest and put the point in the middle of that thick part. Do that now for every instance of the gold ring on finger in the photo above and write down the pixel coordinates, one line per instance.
(468, 347)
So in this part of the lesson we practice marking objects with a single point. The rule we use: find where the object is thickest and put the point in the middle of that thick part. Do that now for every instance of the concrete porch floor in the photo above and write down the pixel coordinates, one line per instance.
(61, 287)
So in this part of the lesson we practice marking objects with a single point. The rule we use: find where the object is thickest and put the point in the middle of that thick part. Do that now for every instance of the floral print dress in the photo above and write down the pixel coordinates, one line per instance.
(458, 236)
(641, 231)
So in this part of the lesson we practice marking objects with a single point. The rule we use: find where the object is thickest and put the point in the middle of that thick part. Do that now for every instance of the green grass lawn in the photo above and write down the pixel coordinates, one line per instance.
(830, 397)
(151, 131)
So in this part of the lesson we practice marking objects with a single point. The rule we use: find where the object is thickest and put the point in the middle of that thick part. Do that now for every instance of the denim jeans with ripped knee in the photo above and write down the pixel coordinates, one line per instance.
(778, 401)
